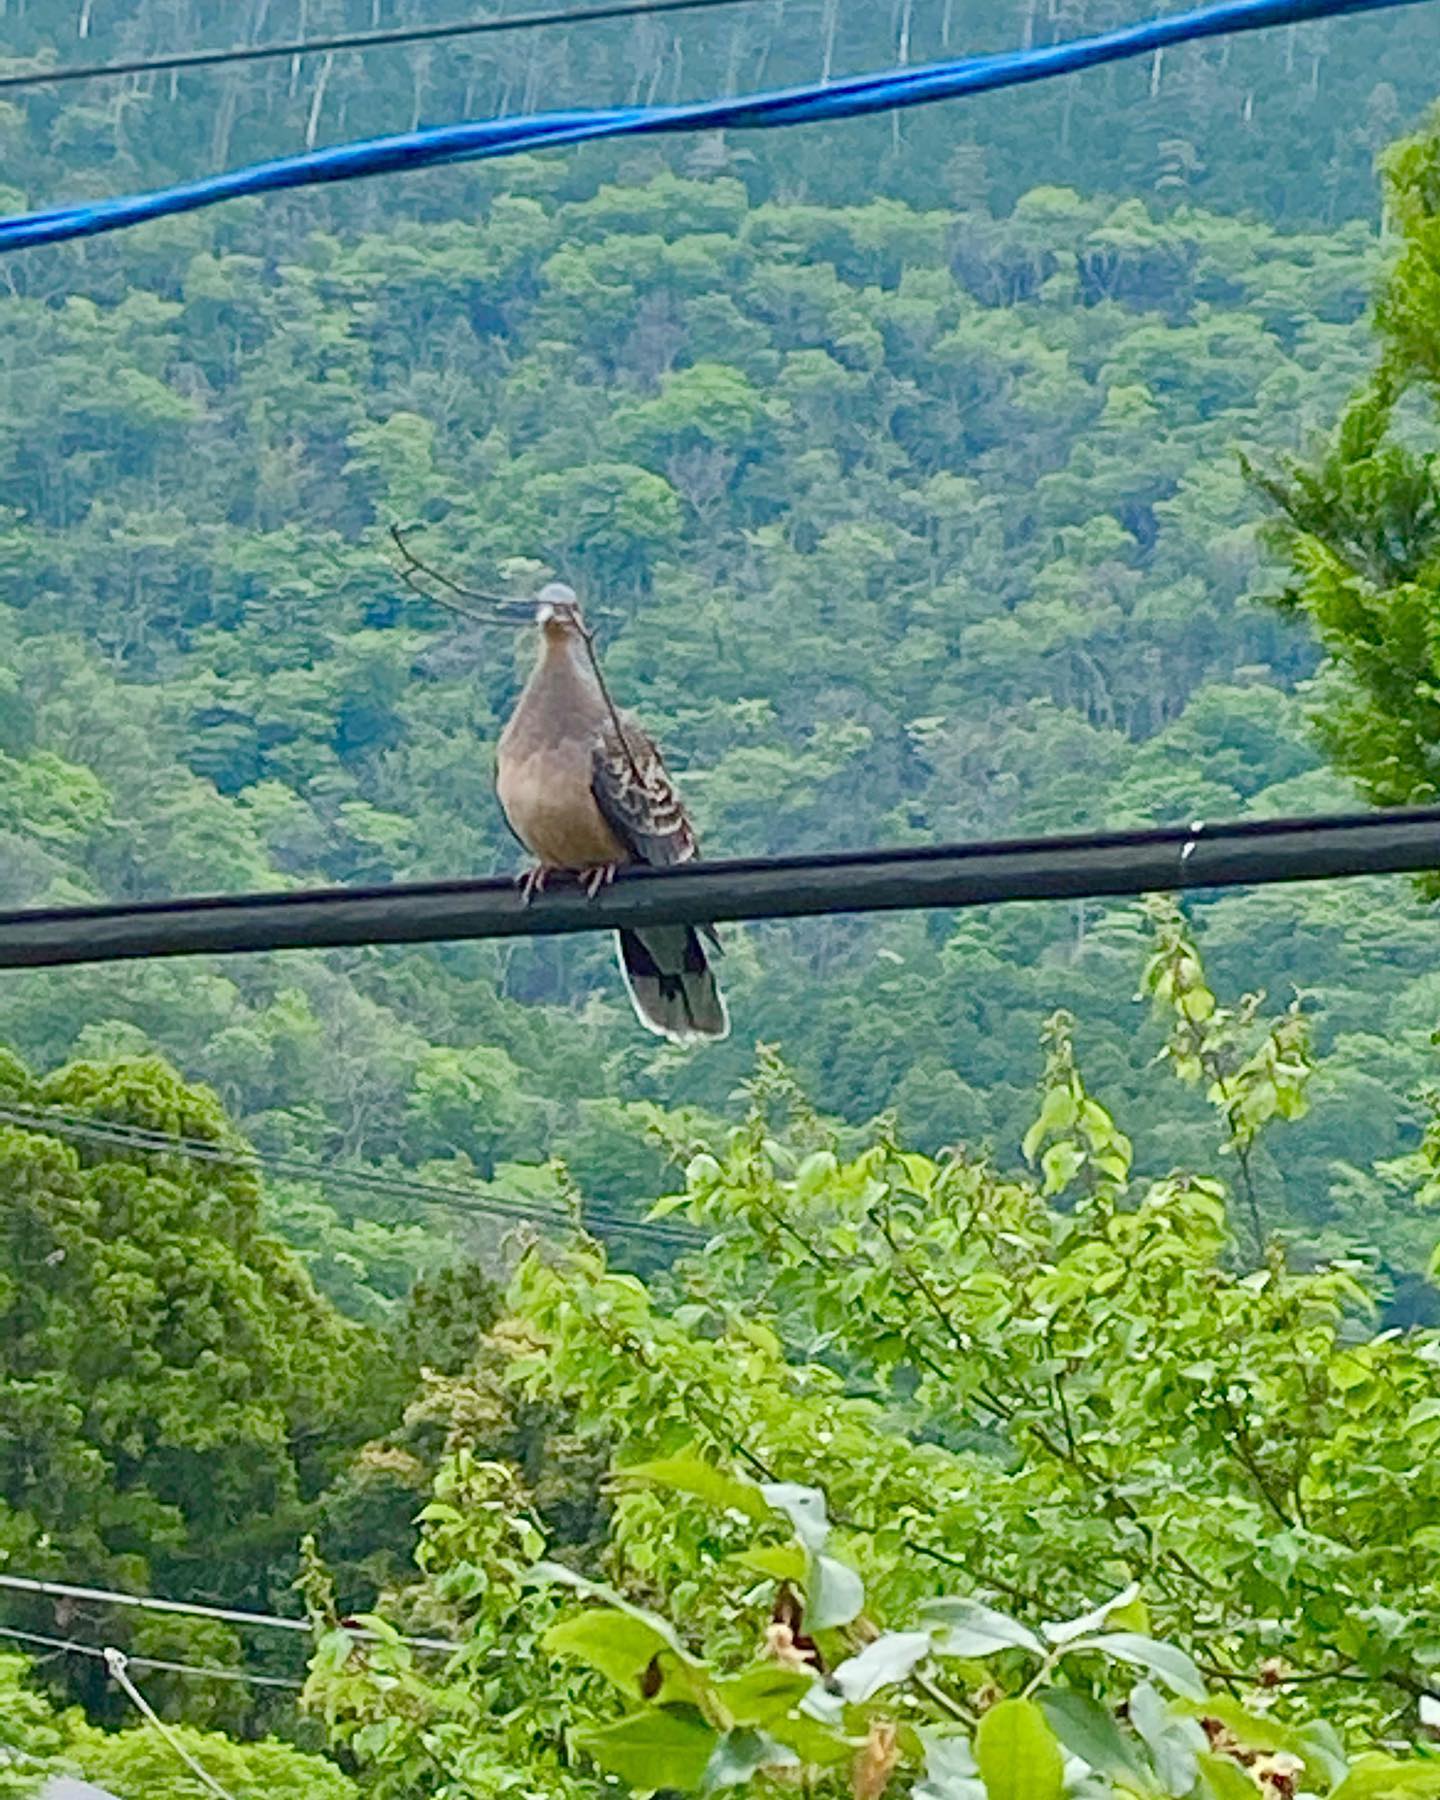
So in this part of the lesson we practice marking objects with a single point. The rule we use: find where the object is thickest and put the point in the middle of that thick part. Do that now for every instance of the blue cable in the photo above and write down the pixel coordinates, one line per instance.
(811, 104)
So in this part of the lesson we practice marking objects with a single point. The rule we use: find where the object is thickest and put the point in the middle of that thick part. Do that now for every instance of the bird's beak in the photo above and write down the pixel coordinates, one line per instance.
(514, 612)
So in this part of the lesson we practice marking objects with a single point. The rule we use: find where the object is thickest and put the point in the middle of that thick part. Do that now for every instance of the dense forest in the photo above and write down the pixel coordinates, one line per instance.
(1050, 462)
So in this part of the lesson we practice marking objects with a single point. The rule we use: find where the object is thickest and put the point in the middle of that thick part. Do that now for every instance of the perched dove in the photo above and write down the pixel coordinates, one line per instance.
(585, 791)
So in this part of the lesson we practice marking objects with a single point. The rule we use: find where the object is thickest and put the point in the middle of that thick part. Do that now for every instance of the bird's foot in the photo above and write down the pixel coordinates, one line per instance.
(532, 881)
(595, 879)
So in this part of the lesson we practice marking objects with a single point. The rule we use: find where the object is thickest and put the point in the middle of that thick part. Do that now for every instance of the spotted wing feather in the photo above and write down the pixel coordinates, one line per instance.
(639, 801)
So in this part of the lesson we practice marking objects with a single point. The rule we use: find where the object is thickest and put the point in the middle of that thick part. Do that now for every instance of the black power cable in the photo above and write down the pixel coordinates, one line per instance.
(1248, 853)
(359, 40)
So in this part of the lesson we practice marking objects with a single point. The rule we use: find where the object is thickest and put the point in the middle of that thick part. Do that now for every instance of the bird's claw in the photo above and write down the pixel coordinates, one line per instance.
(531, 882)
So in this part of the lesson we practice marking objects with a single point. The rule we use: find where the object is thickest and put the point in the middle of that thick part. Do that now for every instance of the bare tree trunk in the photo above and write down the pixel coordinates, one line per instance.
(770, 36)
(532, 76)
(1157, 69)
(732, 57)
(946, 19)
(225, 120)
(82, 24)
(317, 100)
(419, 70)
(907, 17)
(829, 19)
(1028, 36)
(656, 76)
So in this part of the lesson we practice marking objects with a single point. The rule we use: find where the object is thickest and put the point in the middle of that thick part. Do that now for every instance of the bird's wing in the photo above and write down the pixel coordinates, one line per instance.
(495, 785)
(638, 799)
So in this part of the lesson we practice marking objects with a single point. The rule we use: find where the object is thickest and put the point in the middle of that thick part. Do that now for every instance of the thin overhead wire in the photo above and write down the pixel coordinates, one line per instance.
(74, 1648)
(84, 1128)
(814, 103)
(359, 40)
(229, 1615)
(118, 1664)
(1081, 866)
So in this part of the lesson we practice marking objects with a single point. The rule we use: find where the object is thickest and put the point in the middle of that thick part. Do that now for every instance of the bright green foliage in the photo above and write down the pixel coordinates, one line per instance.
(1252, 1070)
(1361, 530)
(176, 1392)
(913, 513)
(31, 1736)
(138, 1764)
(928, 1414)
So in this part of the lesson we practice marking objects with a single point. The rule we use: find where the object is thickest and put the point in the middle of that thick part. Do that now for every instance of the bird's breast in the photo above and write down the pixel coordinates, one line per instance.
(547, 799)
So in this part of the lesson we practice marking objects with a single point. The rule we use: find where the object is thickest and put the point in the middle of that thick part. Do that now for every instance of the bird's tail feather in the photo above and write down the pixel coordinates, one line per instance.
(671, 983)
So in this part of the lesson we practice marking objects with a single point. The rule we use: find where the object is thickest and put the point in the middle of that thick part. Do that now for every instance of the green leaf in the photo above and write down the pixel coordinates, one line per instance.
(892, 1657)
(1324, 1750)
(782, 1562)
(741, 1754)
(834, 1596)
(816, 1742)
(1221, 1779)
(653, 1749)
(968, 1628)
(1174, 1742)
(763, 1694)
(670, 1203)
(1060, 1164)
(1068, 1629)
(1170, 1664)
(815, 1173)
(1379, 1777)
(688, 1474)
(1018, 1753)
(548, 1574)
(804, 1507)
(1089, 1731)
(620, 1647)
(951, 1772)
(1057, 1113)
(1262, 1731)
(332, 1653)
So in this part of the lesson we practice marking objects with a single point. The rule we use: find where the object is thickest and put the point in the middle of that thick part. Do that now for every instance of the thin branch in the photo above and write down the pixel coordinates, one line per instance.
(1245, 1450)
(415, 566)
(1210, 1062)
(588, 637)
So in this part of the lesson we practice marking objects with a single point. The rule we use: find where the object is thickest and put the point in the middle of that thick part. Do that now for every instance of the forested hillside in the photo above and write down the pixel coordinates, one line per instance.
(906, 523)
(914, 474)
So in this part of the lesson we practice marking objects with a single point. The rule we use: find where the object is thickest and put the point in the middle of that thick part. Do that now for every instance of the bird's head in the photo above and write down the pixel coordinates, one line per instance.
(557, 612)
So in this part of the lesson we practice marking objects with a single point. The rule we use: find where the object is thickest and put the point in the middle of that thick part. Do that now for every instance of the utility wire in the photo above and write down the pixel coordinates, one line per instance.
(72, 1647)
(83, 1128)
(853, 97)
(118, 1665)
(1092, 865)
(229, 1615)
(359, 40)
